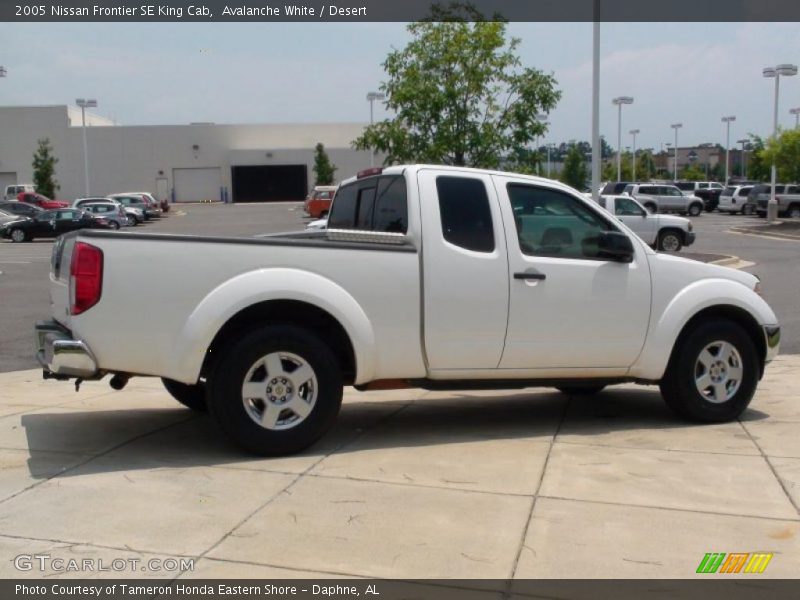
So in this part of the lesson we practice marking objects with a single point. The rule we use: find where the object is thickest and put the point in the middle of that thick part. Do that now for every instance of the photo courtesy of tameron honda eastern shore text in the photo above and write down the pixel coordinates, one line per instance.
(426, 276)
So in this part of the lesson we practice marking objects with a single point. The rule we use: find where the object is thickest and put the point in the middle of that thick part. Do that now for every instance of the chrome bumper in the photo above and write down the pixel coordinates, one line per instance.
(772, 333)
(60, 354)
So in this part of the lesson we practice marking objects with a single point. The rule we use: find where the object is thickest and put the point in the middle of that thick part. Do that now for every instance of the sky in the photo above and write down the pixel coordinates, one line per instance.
(174, 73)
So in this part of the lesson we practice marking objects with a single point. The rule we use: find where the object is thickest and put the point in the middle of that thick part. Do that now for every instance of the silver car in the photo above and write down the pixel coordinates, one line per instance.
(112, 212)
(659, 197)
(134, 215)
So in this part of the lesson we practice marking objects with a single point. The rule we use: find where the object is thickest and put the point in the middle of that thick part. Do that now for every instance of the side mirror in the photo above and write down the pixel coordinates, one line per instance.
(615, 245)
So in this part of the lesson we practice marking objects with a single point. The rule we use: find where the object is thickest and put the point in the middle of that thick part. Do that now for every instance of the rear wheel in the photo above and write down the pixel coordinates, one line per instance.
(695, 209)
(113, 224)
(793, 212)
(191, 396)
(670, 241)
(712, 374)
(276, 391)
(747, 209)
(651, 207)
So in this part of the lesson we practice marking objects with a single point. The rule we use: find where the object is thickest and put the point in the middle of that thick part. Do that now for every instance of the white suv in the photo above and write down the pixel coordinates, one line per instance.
(658, 197)
(12, 191)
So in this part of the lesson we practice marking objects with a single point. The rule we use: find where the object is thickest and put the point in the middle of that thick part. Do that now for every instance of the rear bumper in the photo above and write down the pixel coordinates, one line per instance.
(772, 333)
(60, 354)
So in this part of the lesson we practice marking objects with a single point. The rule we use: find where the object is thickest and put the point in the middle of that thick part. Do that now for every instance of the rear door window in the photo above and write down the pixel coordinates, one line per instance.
(375, 204)
(465, 213)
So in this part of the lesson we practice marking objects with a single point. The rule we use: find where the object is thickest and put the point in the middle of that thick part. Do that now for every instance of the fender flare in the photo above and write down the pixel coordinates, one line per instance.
(247, 289)
(694, 298)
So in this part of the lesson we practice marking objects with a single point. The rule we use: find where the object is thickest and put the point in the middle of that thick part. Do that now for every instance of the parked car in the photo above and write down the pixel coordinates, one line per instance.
(428, 276)
(158, 208)
(786, 195)
(318, 202)
(12, 191)
(318, 225)
(710, 198)
(692, 187)
(41, 201)
(134, 215)
(664, 198)
(662, 232)
(613, 188)
(20, 208)
(734, 200)
(50, 224)
(137, 201)
(113, 212)
(6, 217)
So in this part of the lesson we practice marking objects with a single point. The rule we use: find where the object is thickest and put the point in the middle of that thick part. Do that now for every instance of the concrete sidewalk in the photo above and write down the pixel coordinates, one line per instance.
(410, 484)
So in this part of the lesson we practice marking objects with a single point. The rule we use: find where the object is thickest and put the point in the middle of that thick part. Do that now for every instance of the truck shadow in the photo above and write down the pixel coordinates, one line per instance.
(76, 443)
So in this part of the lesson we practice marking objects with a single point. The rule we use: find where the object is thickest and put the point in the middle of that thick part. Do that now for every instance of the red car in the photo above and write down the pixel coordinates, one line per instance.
(42, 202)
(318, 202)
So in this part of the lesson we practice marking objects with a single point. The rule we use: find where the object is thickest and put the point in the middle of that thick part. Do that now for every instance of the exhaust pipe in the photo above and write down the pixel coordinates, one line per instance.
(119, 381)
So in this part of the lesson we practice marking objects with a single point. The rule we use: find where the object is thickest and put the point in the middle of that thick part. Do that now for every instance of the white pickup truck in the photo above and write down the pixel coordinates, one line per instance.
(428, 276)
(662, 232)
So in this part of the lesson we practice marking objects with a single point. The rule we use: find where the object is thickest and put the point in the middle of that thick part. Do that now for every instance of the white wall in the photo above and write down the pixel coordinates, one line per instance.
(127, 158)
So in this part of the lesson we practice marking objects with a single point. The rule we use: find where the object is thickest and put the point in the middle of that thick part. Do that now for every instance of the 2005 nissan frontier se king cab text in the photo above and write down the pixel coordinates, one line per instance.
(427, 276)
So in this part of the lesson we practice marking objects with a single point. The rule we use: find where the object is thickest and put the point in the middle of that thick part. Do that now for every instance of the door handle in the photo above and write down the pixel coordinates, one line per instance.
(530, 275)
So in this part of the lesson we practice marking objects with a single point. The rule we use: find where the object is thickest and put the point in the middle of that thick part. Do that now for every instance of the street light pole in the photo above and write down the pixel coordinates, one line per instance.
(596, 149)
(728, 121)
(787, 70)
(792, 111)
(618, 102)
(84, 104)
(549, 146)
(633, 132)
(744, 157)
(371, 97)
(676, 126)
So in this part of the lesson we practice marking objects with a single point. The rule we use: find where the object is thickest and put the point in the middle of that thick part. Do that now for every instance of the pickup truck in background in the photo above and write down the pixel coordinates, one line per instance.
(427, 276)
(787, 197)
(661, 232)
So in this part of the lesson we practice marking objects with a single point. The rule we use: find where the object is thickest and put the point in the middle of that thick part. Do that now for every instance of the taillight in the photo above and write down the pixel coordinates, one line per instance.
(86, 277)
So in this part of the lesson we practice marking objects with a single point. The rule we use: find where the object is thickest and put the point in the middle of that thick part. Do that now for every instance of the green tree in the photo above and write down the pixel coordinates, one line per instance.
(575, 173)
(44, 169)
(784, 151)
(757, 168)
(323, 168)
(693, 173)
(460, 95)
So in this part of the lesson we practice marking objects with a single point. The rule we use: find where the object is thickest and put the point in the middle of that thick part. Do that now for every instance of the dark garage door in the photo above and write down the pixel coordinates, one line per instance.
(265, 183)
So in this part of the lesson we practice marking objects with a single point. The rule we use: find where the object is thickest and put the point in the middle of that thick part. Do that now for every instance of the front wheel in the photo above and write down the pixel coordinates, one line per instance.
(191, 396)
(276, 391)
(696, 209)
(712, 374)
(18, 235)
(670, 241)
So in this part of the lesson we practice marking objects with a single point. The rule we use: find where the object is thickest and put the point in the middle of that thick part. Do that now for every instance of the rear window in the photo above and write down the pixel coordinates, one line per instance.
(374, 204)
(685, 185)
(745, 191)
(728, 191)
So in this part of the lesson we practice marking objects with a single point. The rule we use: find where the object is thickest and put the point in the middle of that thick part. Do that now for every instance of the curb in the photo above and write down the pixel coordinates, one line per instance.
(724, 262)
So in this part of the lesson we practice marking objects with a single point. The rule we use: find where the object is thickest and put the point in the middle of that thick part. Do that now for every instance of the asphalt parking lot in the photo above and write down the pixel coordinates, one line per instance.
(410, 484)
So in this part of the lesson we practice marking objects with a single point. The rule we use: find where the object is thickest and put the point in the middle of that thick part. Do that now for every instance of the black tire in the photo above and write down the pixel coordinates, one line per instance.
(651, 208)
(18, 235)
(747, 209)
(695, 209)
(323, 214)
(670, 240)
(113, 224)
(581, 390)
(227, 404)
(678, 385)
(191, 396)
(794, 211)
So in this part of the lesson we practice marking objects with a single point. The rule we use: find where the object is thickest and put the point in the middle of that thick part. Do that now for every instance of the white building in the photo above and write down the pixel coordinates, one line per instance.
(184, 163)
